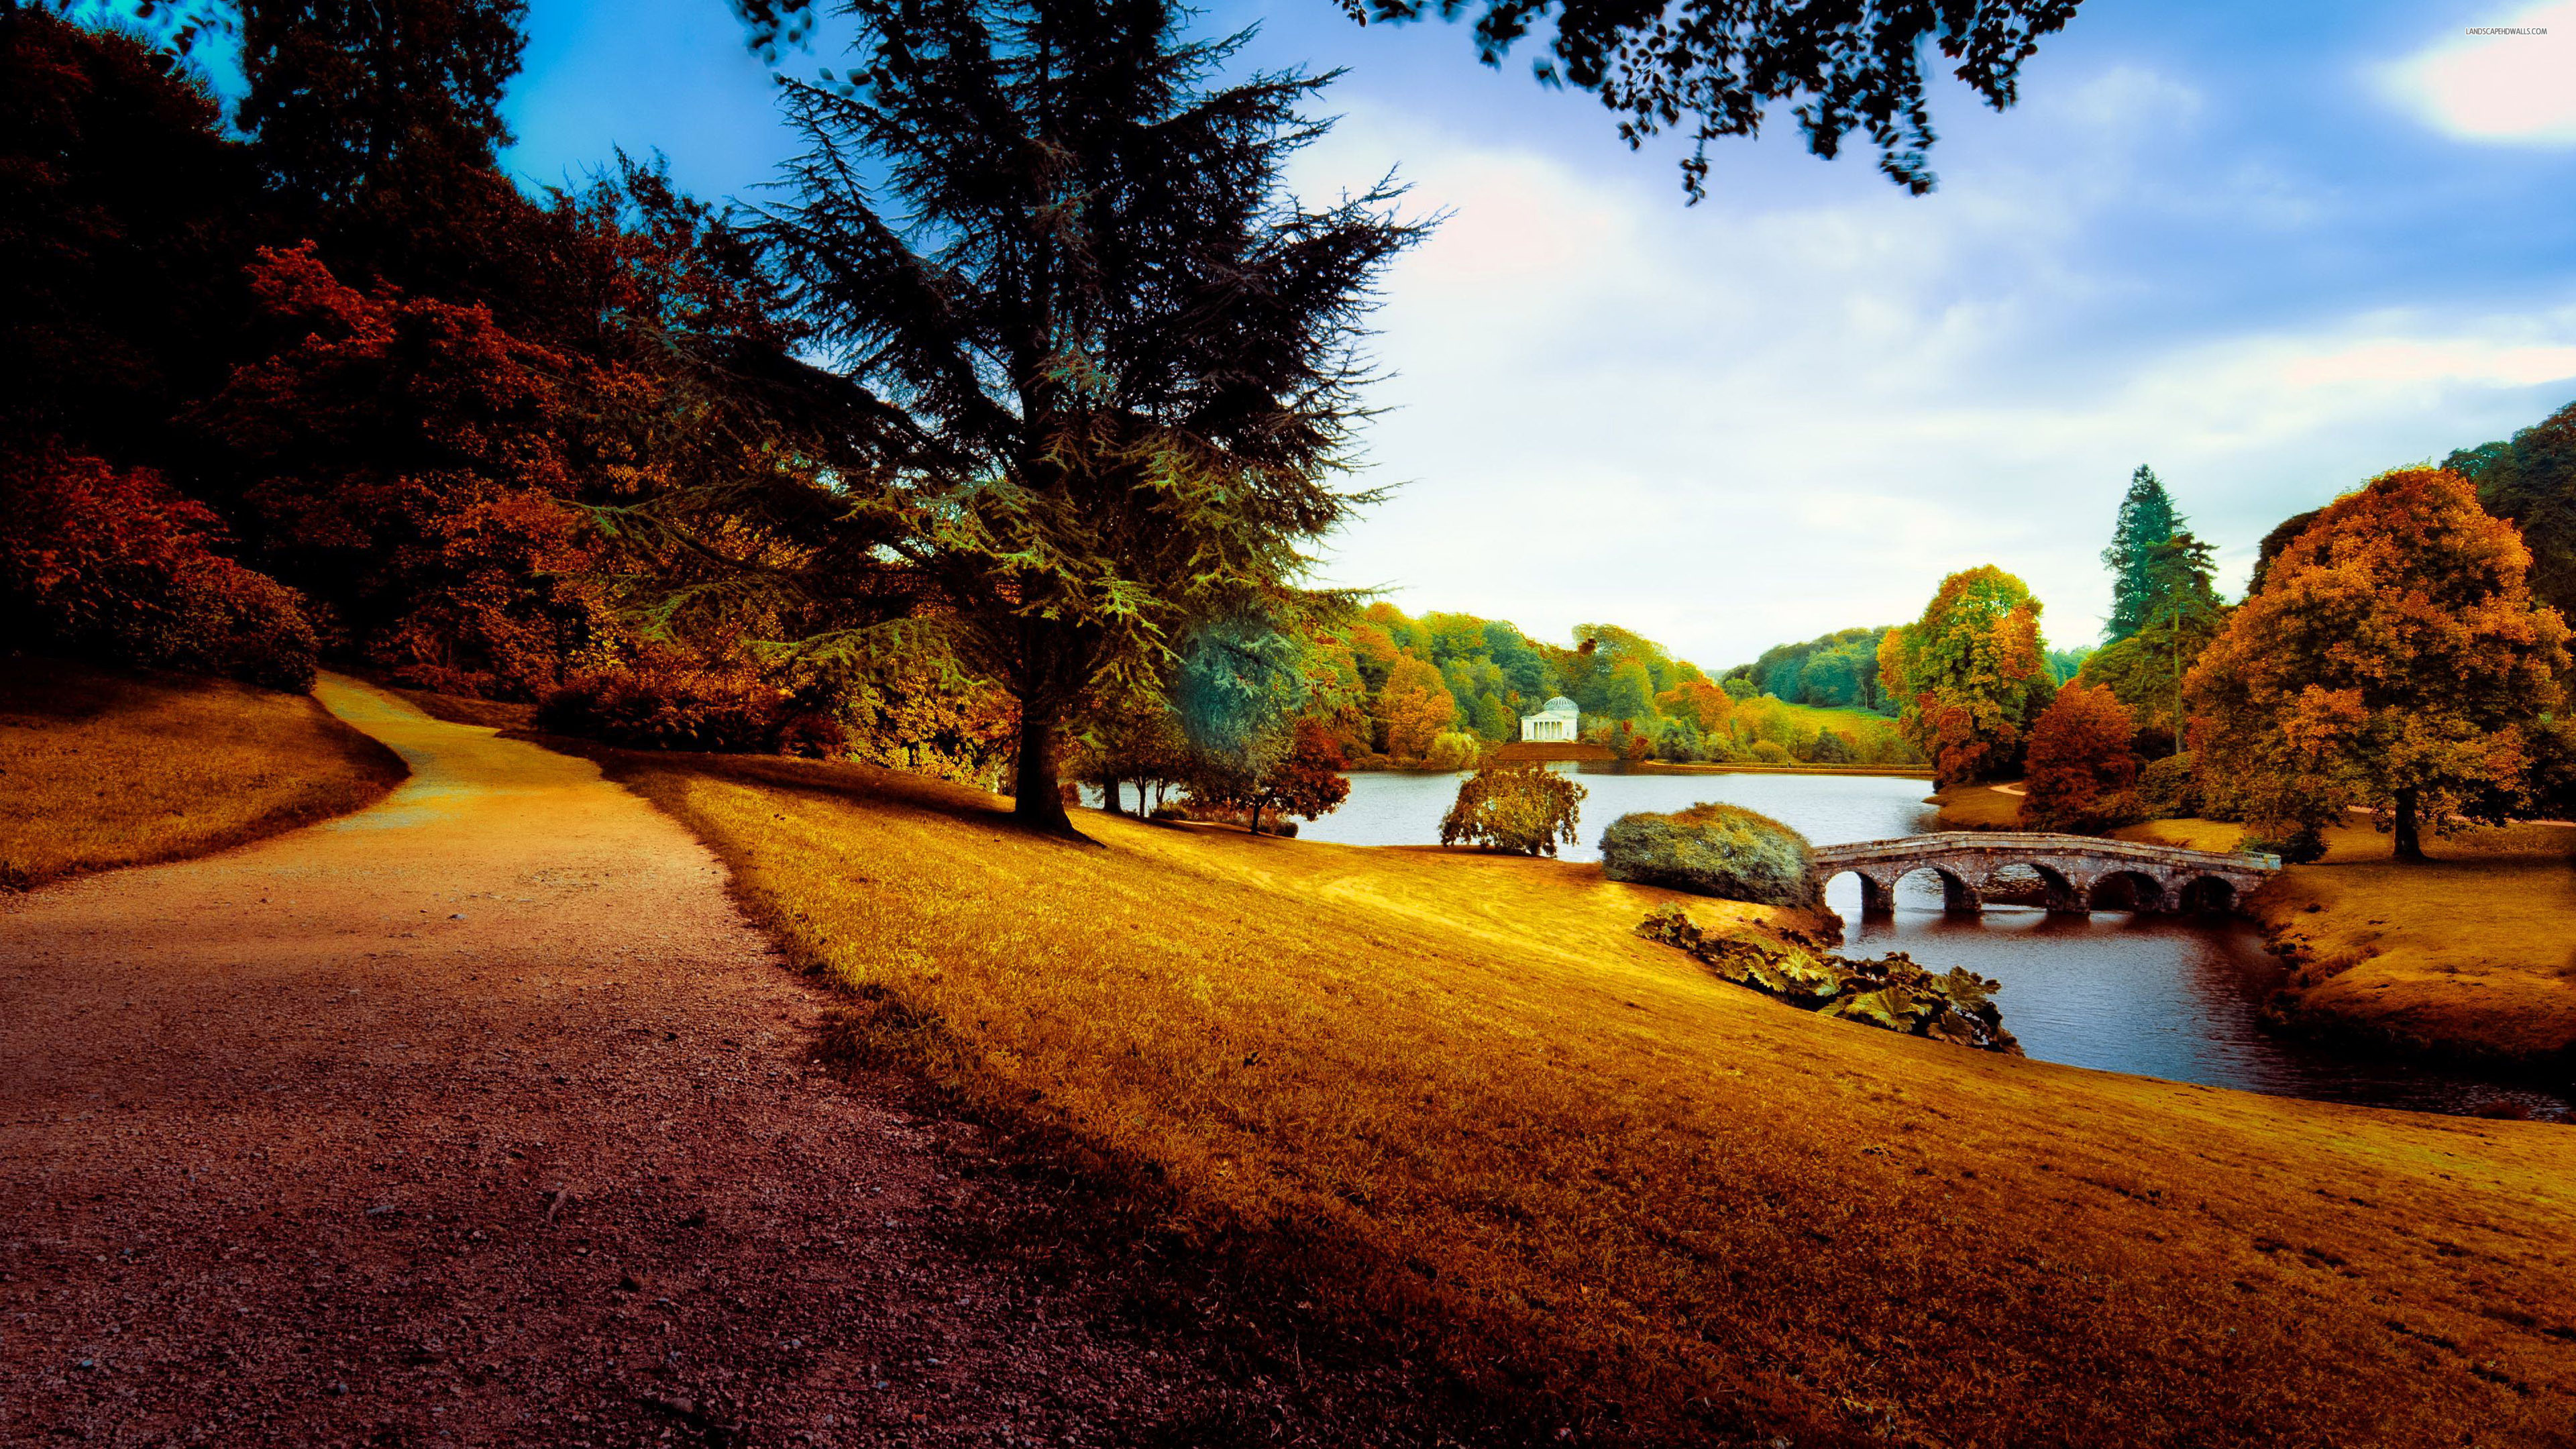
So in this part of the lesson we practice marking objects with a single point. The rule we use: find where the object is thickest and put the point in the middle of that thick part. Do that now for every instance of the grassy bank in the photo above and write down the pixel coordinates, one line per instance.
(2472, 952)
(100, 768)
(1977, 807)
(1449, 1095)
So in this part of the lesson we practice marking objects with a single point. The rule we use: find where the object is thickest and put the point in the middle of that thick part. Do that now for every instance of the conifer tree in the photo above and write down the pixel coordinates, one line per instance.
(1108, 365)
(2147, 521)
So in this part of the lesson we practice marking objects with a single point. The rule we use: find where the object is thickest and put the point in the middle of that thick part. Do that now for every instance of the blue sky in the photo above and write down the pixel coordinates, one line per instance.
(2267, 249)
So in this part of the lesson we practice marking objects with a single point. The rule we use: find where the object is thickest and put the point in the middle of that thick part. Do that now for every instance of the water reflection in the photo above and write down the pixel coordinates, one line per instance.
(2154, 995)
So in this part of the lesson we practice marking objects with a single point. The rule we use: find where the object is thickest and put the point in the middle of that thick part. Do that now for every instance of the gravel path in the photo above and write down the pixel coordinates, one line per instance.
(481, 1117)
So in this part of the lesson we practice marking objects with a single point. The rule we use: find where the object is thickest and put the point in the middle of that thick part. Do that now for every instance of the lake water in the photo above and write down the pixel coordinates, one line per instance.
(2154, 995)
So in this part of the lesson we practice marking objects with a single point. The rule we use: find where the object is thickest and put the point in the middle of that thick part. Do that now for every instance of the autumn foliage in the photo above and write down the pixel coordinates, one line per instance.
(1970, 674)
(2081, 769)
(2394, 659)
(1523, 809)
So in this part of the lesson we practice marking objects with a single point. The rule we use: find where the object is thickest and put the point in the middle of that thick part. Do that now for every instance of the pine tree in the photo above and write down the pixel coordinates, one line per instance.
(2147, 520)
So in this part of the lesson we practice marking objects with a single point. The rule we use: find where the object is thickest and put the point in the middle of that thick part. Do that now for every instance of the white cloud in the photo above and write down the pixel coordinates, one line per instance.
(1728, 427)
(2510, 87)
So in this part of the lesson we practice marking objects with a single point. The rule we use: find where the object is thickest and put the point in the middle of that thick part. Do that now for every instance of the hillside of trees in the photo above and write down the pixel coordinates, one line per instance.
(1437, 689)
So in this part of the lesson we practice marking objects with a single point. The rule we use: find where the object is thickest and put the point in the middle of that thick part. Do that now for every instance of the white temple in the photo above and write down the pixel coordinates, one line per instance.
(1556, 721)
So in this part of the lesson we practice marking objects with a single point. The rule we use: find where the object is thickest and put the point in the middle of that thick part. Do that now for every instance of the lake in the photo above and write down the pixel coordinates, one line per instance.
(2154, 995)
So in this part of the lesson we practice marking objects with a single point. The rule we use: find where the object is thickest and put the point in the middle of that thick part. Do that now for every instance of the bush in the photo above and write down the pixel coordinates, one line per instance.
(1712, 850)
(1453, 750)
(2295, 844)
(1525, 809)
(1893, 992)
(669, 706)
(115, 565)
(1771, 752)
(2169, 789)
(2081, 763)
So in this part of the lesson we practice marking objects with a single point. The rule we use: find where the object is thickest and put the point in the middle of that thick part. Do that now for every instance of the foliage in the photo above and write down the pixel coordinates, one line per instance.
(2283, 534)
(2147, 521)
(2529, 480)
(1305, 781)
(2169, 788)
(1713, 850)
(2081, 771)
(1891, 992)
(401, 458)
(1524, 809)
(1111, 380)
(1834, 671)
(114, 564)
(670, 703)
(1236, 692)
(1970, 674)
(2393, 659)
(1453, 750)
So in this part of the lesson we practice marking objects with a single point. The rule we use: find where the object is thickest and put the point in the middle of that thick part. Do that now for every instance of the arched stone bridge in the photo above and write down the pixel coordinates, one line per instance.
(2077, 872)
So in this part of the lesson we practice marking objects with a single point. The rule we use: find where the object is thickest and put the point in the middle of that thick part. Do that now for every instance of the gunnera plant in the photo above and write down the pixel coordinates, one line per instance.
(1893, 992)
(1712, 850)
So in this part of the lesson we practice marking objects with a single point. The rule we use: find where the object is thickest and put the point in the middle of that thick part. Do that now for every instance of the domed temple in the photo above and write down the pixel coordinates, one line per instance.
(1555, 722)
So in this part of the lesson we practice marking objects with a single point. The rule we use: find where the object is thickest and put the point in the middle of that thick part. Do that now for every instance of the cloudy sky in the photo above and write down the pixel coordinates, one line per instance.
(2267, 249)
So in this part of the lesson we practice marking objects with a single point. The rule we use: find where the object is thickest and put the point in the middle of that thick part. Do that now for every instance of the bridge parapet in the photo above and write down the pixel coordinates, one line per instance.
(2077, 872)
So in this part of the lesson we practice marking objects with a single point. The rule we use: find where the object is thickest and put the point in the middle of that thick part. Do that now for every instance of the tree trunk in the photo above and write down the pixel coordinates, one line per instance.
(1109, 794)
(1039, 805)
(2410, 841)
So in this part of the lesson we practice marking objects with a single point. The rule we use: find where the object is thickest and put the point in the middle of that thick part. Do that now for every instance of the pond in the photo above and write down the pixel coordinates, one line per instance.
(2155, 995)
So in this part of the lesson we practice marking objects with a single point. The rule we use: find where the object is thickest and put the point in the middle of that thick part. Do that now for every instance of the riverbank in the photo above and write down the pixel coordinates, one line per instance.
(1978, 807)
(2469, 954)
(1448, 1097)
(101, 768)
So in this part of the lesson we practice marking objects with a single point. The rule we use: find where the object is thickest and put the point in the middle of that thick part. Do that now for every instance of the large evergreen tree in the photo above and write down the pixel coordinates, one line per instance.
(1111, 364)
(2147, 521)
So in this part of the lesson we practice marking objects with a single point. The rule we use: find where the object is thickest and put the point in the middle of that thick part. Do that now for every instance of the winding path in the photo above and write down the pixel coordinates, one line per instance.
(482, 1117)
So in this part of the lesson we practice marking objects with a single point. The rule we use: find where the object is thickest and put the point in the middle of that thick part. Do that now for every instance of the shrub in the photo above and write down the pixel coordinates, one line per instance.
(2169, 789)
(114, 564)
(1453, 750)
(1525, 809)
(1712, 850)
(660, 705)
(1771, 752)
(1892, 992)
(2296, 843)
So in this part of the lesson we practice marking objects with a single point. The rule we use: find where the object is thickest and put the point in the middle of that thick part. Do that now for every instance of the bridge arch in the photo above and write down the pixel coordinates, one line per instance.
(2056, 891)
(2126, 890)
(1959, 895)
(1877, 892)
(2208, 895)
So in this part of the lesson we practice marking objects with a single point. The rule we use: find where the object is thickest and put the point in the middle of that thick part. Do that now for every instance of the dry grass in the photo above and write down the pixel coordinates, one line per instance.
(2471, 952)
(1451, 1094)
(101, 768)
(1977, 807)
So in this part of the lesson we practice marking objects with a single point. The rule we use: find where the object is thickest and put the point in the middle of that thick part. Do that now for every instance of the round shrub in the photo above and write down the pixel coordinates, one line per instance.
(1712, 850)
(1771, 752)
(1524, 809)
(1453, 750)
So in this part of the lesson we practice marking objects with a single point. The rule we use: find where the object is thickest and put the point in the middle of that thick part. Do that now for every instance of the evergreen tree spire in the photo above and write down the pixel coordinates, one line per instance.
(2147, 522)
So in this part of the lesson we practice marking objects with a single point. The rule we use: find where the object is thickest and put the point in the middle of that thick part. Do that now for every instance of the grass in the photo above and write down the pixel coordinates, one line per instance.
(1448, 1095)
(100, 768)
(1977, 807)
(2472, 952)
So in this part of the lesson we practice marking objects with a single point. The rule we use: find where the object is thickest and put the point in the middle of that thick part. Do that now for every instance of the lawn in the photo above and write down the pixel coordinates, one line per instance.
(1977, 807)
(102, 768)
(1449, 1097)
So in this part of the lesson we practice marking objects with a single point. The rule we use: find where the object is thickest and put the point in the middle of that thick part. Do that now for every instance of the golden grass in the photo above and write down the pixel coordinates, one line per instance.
(1977, 807)
(2471, 952)
(1449, 1093)
(100, 768)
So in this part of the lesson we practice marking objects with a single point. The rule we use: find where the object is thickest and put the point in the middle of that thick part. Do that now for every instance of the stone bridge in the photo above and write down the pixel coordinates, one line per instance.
(2076, 872)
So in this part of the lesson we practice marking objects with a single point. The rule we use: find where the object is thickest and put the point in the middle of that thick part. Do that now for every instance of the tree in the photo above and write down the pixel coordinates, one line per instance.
(1304, 782)
(1415, 707)
(2283, 534)
(1971, 674)
(1631, 695)
(1524, 809)
(1724, 64)
(1109, 369)
(2393, 659)
(2147, 522)
(2530, 481)
(2079, 761)
(2147, 667)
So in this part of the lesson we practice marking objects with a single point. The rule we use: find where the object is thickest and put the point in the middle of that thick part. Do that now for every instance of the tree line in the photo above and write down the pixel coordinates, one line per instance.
(2401, 651)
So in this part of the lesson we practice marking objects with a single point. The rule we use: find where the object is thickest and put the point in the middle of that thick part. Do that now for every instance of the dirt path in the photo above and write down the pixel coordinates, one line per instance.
(481, 1117)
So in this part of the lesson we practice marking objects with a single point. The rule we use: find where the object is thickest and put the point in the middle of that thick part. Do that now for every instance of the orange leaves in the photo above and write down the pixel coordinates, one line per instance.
(2390, 660)
(2080, 759)
(1973, 672)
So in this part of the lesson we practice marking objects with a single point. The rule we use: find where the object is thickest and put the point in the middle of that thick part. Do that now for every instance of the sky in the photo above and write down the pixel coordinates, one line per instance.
(2268, 250)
